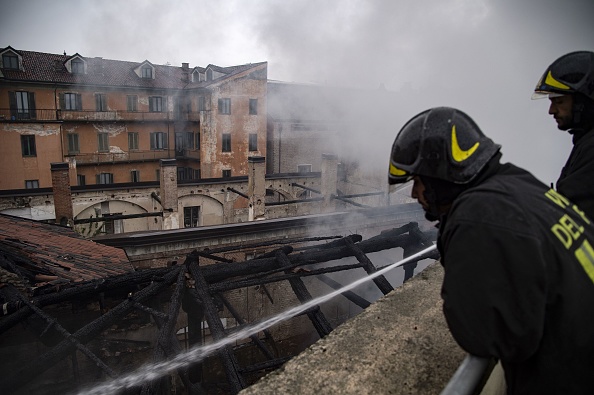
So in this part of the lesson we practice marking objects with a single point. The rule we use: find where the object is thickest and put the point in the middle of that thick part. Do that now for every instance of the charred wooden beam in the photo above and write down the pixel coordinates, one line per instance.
(238, 192)
(350, 295)
(119, 216)
(348, 201)
(270, 243)
(86, 290)
(164, 345)
(230, 285)
(11, 383)
(316, 316)
(381, 282)
(213, 257)
(255, 339)
(223, 271)
(306, 188)
(230, 363)
(67, 335)
(318, 199)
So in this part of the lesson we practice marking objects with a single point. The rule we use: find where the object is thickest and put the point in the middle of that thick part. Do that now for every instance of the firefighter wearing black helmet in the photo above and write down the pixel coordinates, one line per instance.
(518, 256)
(569, 84)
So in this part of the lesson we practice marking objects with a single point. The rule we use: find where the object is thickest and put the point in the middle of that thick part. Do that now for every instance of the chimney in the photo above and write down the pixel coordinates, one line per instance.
(329, 181)
(62, 196)
(185, 72)
(185, 66)
(168, 191)
(256, 187)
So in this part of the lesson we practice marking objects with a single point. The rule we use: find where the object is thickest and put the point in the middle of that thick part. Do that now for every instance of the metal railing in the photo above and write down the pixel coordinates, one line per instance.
(470, 377)
(12, 115)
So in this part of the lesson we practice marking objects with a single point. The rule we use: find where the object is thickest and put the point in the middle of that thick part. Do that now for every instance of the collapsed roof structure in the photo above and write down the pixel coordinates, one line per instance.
(198, 286)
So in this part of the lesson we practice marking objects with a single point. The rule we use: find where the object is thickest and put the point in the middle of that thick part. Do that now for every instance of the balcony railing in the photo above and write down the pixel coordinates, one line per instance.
(110, 157)
(187, 154)
(12, 115)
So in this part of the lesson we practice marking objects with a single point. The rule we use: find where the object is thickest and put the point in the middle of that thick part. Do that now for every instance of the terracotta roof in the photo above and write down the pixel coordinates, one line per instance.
(40, 248)
(46, 67)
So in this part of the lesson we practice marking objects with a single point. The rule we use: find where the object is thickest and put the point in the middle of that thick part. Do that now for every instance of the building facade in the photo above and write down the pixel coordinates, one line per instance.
(113, 121)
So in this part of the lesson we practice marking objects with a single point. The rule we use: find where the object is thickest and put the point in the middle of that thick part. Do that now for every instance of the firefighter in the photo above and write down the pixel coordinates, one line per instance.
(569, 84)
(518, 257)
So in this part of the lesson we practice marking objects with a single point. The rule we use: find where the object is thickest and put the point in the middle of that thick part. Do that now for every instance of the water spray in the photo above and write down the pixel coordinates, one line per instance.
(153, 371)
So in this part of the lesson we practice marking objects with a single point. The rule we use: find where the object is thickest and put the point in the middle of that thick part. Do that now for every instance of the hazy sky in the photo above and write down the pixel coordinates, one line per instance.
(482, 56)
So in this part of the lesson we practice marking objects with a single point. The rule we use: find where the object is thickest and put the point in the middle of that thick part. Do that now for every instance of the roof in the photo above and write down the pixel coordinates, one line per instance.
(53, 250)
(50, 68)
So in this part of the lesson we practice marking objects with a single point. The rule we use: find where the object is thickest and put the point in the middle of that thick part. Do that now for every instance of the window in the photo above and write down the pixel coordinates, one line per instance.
(30, 184)
(158, 140)
(226, 142)
(10, 61)
(253, 106)
(189, 140)
(185, 173)
(103, 142)
(226, 173)
(201, 103)
(100, 102)
(72, 102)
(105, 178)
(81, 180)
(22, 105)
(197, 144)
(303, 168)
(253, 142)
(77, 66)
(155, 104)
(191, 214)
(132, 140)
(28, 145)
(146, 72)
(73, 147)
(135, 175)
(224, 106)
(132, 103)
(112, 226)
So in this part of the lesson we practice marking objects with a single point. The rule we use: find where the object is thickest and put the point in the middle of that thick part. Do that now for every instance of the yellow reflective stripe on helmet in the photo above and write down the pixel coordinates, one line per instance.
(394, 171)
(554, 83)
(458, 153)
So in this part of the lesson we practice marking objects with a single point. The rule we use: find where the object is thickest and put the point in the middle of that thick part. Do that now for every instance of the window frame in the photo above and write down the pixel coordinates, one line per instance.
(191, 216)
(100, 102)
(156, 103)
(146, 72)
(132, 103)
(28, 145)
(31, 184)
(225, 106)
(73, 143)
(226, 173)
(102, 142)
(159, 141)
(134, 175)
(226, 142)
(81, 179)
(132, 141)
(77, 66)
(201, 103)
(253, 142)
(102, 177)
(69, 98)
(253, 107)
(12, 58)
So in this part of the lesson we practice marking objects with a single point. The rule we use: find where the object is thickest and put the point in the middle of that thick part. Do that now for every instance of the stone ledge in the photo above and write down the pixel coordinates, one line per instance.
(398, 345)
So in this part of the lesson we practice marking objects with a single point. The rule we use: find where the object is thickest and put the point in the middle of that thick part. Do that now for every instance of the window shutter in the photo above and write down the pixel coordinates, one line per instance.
(96, 178)
(78, 102)
(32, 112)
(62, 104)
(153, 137)
(13, 105)
(165, 142)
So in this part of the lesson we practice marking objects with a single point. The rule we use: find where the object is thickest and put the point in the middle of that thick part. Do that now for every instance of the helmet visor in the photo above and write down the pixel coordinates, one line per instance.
(537, 95)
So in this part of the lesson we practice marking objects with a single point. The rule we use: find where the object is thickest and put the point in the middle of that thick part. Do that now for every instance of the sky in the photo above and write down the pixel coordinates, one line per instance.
(483, 57)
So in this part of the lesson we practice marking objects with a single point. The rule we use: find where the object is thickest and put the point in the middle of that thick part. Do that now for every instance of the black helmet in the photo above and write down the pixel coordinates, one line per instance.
(571, 73)
(442, 143)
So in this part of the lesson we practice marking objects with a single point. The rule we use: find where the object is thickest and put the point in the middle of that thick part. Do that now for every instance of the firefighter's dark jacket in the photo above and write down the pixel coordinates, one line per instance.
(518, 285)
(576, 181)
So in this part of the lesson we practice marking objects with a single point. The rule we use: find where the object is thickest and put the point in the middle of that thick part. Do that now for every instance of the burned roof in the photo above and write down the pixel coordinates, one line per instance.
(43, 253)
